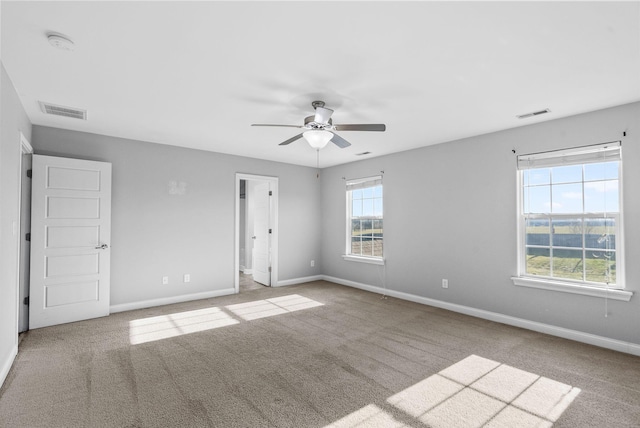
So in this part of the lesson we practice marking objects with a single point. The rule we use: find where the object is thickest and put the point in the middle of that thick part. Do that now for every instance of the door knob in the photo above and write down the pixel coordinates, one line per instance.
(102, 247)
(253, 237)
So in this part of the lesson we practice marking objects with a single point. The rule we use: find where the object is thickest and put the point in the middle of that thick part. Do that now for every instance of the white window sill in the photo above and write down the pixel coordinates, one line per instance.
(361, 259)
(565, 287)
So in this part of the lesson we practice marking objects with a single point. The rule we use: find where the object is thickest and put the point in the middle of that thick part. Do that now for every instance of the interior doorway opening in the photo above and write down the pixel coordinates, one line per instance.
(256, 232)
(24, 250)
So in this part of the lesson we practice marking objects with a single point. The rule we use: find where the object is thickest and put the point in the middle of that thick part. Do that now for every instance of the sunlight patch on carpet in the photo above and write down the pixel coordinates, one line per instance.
(270, 307)
(370, 416)
(474, 392)
(172, 325)
(477, 392)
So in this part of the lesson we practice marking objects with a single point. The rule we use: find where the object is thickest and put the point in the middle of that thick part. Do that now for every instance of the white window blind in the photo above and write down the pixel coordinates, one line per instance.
(363, 183)
(582, 155)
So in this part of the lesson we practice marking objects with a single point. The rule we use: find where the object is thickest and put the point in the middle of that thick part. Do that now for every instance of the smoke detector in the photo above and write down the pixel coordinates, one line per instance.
(61, 42)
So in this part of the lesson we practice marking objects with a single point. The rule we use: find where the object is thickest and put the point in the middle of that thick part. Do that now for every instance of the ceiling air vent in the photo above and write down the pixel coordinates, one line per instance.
(363, 153)
(72, 112)
(535, 113)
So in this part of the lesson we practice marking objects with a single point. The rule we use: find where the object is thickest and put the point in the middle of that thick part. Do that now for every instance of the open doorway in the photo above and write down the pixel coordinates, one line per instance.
(25, 230)
(256, 232)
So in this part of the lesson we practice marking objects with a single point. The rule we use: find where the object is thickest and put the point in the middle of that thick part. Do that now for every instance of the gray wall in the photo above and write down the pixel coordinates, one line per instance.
(442, 201)
(13, 120)
(155, 233)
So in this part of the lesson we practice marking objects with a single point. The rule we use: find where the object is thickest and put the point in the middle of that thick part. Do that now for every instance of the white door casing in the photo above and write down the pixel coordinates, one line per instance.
(261, 244)
(70, 240)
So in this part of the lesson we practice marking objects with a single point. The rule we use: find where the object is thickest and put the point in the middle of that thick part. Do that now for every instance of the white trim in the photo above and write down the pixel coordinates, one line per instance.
(169, 300)
(548, 284)
(579, 336)
(25, 145)
(302, 280)
(354, 284)
(6, 367)
(246, 271)
(273, 186)
(363, 259)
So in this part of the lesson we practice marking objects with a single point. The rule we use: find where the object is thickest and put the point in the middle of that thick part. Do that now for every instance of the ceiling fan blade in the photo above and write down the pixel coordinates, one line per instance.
(364, 127)
(287, 126)
(291, 140)
(322, 115)
(339, 141)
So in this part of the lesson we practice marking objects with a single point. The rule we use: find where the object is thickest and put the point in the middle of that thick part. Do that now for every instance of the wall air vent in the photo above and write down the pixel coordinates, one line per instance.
(363, 153)
(535, 113)
(56, 110)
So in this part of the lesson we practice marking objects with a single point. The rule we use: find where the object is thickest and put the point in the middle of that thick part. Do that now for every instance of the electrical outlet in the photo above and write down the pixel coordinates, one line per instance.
(445, 283)
(313, 263)
(187, 277)
(165, 280)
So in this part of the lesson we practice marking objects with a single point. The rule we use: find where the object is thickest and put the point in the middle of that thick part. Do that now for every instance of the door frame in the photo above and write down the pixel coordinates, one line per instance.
(273, 224)
(25, 149)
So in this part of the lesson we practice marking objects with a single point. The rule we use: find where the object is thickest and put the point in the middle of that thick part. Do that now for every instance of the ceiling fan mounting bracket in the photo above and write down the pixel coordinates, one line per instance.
(317, 104)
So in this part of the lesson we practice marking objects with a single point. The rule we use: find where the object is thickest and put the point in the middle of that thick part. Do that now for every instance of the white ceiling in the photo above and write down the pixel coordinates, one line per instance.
(198, 74)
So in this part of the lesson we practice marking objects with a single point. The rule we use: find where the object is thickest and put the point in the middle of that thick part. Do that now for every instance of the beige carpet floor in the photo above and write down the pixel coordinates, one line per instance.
(312, 355)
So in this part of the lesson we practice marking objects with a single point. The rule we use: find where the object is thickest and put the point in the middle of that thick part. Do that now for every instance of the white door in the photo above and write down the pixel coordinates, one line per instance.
(70, 237)
(261, 244)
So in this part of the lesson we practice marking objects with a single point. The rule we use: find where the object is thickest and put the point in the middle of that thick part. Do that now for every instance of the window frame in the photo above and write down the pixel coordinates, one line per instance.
(348, 255)
(556, 159)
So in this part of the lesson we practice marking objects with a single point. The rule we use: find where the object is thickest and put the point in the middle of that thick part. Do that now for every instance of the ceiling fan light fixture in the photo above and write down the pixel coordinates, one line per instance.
(317, 138)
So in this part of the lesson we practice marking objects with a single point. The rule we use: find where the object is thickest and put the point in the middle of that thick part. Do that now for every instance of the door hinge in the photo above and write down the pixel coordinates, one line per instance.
(269, 230)
(27, 237)
(269, 269)
(26, 301)
(270, 193)
(29, 173)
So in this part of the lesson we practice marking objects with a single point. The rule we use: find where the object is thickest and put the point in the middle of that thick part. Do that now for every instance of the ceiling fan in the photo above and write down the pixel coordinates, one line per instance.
(319, 128)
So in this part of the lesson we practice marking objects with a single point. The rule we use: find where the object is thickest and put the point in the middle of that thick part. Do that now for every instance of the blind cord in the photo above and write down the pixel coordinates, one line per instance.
(383, 279)
(607, 241)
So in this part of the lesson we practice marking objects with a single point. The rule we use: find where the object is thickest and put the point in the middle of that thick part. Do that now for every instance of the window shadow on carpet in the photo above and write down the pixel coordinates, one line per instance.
(474, 392)
(177, 324)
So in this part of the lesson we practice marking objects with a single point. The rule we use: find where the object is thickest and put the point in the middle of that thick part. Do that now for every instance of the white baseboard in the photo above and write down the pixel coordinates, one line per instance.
(246, 271)
(6, 365)
(302, 280)
(170, 300)
(579, 336)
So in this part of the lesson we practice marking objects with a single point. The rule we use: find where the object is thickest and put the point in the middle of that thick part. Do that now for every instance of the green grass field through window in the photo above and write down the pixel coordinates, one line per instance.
(597, 269)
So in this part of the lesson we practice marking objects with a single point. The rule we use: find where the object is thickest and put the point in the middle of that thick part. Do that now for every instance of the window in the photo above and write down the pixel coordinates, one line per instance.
(570, 218)
(364, 218)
